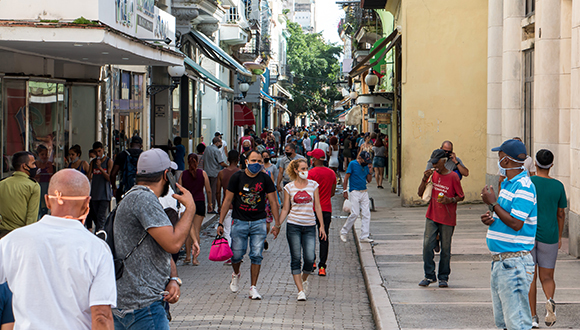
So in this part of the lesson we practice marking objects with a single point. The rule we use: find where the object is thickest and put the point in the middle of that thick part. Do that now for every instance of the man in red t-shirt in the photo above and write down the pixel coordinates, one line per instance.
(326, 179)
(441, 217)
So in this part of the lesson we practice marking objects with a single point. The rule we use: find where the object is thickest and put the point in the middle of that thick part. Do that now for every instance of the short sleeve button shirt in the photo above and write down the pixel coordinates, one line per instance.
(518, 197)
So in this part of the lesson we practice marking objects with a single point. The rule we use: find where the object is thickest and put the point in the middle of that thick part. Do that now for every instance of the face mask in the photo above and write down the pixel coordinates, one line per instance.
(165, 189)
(32, 171)
(303, 175)
(266, 160)
(288, 154)
(503, 171)
(219, 147)
(91, 159)
(255, 168)
(60, 200)
(74, 160)
(246, 148)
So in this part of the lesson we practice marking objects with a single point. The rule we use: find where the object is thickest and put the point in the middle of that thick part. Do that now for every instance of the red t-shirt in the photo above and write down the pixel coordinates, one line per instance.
(450, 186)
(325, 178)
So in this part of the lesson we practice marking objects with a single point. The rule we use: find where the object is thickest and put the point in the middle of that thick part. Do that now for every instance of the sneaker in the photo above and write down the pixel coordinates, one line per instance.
(366, 240)
(550, 312)
(535, 322)
(266, 245)
(426, 282)
(254, 295)
(301, 296)
(305, 286)
(234, 283)
(322, 271)
(343, 237)
(443, 284)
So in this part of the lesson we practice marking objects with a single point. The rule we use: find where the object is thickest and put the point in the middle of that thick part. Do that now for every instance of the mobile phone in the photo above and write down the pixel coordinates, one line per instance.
(171, 179)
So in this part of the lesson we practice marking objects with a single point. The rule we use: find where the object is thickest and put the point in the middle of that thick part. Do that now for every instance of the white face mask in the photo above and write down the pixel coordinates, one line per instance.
(303, 175)
(503, 171)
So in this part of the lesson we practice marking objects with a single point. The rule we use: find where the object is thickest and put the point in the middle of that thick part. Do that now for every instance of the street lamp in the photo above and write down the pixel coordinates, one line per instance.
(175, 72)
(353, 95)
(371, 80)
(244, 88)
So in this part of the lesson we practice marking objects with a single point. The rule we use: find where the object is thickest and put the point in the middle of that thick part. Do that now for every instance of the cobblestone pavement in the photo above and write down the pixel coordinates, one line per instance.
(337, 301)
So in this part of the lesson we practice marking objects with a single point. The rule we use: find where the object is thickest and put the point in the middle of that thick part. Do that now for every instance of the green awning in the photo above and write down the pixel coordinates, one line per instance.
(217, 54)
(207, 77)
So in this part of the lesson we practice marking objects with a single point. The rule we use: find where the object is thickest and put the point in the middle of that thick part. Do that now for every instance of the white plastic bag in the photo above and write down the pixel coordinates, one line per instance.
(346, 206)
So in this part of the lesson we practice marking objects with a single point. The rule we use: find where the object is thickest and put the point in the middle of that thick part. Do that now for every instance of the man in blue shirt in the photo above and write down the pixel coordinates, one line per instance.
(512, 219)
(358, 174)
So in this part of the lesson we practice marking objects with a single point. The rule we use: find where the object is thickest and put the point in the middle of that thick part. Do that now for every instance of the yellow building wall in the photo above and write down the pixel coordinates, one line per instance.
(444, 90)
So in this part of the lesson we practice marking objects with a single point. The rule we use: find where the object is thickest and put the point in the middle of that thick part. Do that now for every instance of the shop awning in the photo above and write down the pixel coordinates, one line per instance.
(207, 78)
(96, 45)
(266, 97)
(216, 54)
(284, 91)
(243, 115)
(382, 49)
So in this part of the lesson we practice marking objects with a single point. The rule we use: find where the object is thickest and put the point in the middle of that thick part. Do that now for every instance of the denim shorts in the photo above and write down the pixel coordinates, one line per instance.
(256, 232)
(150, 317)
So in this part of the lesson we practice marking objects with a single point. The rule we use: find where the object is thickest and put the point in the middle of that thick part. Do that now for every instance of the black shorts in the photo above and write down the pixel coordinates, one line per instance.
(200, 208)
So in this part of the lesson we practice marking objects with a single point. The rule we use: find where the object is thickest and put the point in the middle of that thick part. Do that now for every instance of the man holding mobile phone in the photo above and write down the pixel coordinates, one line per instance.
(140, 299)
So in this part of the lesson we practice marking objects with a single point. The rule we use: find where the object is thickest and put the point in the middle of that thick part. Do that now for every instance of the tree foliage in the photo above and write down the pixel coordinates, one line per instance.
(314, 66)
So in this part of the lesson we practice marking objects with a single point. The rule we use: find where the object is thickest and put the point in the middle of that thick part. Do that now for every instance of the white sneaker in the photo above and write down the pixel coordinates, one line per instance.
(305, 286)
(535, 322)
(366, 240)
(301, 296)
(234, 283)
(550, 312)
(343, 237)
(254, 295)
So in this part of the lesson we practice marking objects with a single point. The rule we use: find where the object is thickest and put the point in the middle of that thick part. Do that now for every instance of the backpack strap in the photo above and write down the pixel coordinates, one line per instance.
(136, 246)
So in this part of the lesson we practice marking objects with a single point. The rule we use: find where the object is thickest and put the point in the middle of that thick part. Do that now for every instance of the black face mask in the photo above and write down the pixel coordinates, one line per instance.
(32, 171)
(266, 160)
(288, 154)
(165, 189)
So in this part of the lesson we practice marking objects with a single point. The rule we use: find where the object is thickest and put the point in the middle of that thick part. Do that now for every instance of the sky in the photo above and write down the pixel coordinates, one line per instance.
(328, 14)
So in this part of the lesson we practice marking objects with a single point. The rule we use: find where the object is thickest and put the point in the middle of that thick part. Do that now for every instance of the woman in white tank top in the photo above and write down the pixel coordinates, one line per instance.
(333, 161)
(300, 201)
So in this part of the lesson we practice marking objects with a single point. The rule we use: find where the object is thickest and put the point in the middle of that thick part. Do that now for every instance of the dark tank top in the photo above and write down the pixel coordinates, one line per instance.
(194, 185)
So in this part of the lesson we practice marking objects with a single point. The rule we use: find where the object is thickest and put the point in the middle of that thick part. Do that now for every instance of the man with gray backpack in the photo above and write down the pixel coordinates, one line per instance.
(145, 238)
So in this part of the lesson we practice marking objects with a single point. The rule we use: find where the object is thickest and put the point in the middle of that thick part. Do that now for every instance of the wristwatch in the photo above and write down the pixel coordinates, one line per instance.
(276, 226)
(491, 207)
(176, 279)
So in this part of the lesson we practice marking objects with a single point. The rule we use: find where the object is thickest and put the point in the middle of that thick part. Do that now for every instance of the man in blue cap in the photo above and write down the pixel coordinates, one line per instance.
(512, 219)
(358, 174)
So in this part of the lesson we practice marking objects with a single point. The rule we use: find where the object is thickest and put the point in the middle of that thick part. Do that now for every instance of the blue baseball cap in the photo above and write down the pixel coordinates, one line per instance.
(514, 149)
(366, 157)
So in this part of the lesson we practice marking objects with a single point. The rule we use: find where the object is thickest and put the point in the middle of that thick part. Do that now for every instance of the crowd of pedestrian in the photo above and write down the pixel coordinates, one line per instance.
(286, 175)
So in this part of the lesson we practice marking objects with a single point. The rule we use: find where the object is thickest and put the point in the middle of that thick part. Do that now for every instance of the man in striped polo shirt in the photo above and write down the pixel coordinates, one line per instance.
(512, 219)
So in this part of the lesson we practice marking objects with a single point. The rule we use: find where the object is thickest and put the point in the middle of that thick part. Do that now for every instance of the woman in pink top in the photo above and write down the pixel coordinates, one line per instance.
(300, 201)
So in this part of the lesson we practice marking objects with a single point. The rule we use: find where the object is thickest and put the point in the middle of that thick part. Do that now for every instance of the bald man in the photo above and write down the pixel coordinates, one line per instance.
(62, 276)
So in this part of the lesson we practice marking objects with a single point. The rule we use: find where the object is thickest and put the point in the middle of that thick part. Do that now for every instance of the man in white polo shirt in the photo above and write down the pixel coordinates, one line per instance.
(62, 276)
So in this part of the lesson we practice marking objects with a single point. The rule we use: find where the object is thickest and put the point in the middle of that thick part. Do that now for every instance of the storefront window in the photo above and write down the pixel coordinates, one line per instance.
(46, 121)
(14, 133)
(83, 117)
(176, 116)
(127, 108)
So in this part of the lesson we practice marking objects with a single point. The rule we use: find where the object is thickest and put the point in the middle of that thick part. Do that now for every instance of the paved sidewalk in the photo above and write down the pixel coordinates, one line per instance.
(337, 301)
(466, 304)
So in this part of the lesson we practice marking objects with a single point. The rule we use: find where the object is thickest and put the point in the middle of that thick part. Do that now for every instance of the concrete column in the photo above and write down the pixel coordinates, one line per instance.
(563, 169)
(513, 12)
(494, 84)
(574, 190)
(546, 116)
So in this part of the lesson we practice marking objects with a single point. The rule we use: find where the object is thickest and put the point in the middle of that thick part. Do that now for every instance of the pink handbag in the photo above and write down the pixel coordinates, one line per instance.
(220, 249)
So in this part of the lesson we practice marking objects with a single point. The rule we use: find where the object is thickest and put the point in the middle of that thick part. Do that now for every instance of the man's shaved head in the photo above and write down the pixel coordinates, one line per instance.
(69, 182)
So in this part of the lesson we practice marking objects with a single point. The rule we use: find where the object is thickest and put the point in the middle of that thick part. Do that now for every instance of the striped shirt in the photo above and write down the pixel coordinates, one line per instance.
(518, 197)
(302, 201)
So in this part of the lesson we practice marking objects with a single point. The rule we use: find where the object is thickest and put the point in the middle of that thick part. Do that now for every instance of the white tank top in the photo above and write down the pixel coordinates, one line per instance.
(302, 201)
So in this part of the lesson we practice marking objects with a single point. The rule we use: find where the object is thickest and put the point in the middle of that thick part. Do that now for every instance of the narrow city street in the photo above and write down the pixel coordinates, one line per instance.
(337, 301)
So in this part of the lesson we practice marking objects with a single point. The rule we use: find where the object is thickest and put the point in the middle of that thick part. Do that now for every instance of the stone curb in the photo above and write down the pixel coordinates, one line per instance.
(381, 306)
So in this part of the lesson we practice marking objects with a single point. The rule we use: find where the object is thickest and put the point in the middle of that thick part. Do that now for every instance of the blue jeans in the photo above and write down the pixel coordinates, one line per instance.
(510, 285)
(301, 240)
(150, 317)
(445, 232)
(256, 232)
